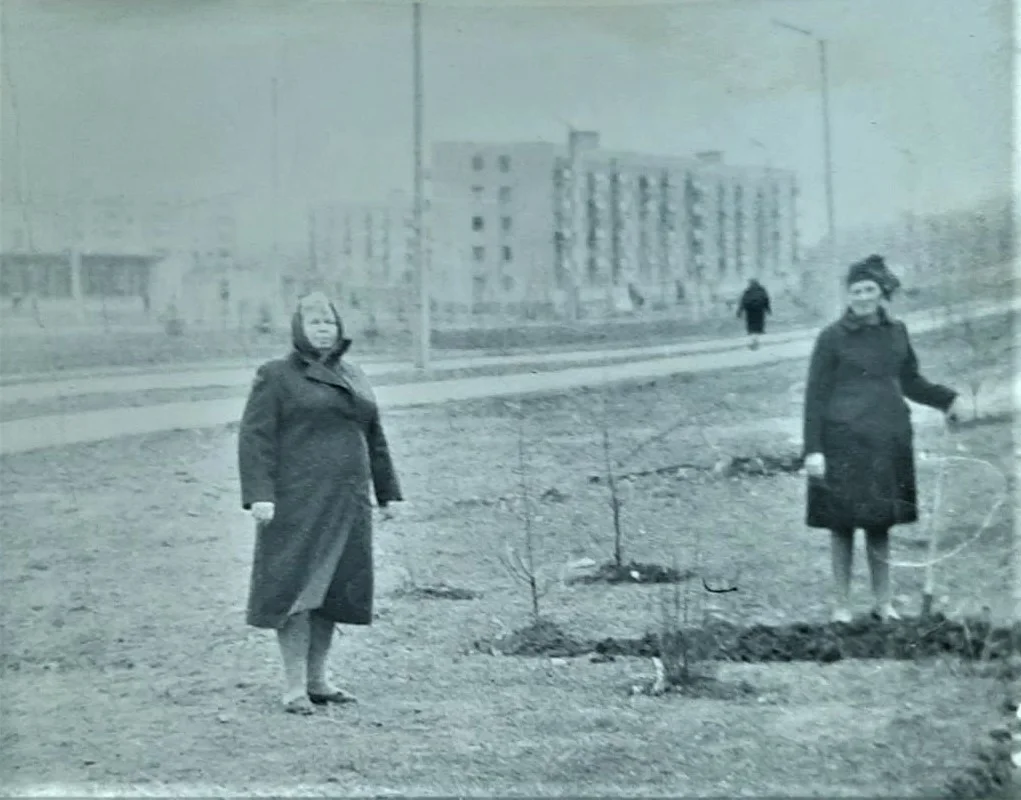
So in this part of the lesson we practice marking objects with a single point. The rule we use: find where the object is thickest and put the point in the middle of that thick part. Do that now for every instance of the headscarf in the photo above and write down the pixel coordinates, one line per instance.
(874, 269)
(319, 302)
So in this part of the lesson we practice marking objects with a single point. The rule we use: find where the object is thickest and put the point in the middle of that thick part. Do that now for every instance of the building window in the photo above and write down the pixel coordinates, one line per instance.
(479, 253)
(508, 283)
(506, 224)
(478, 163)
(478, 193)
(508, 254)
(505, 163)
(478, 223)
(505, 194)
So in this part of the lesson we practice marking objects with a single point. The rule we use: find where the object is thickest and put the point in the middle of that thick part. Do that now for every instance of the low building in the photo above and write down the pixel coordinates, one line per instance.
(109, 260)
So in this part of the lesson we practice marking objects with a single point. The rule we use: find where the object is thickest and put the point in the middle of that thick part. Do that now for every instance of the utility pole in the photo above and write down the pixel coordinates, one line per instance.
(832, 281)
(276, 268)
(422, 333)
(578, 225)
(827, 140)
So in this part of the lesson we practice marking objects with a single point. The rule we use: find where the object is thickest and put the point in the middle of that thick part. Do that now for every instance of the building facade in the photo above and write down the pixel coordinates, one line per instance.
(361, 255)
(491, 220)
(578, 229)
(107, 253)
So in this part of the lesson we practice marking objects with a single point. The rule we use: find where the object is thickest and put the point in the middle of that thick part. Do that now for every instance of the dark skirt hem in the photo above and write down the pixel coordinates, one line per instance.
(275, 625)
(857, 525)
(755, 323)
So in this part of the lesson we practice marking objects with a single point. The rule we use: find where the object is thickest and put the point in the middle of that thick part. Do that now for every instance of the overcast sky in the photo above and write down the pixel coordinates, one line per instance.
(152, 98)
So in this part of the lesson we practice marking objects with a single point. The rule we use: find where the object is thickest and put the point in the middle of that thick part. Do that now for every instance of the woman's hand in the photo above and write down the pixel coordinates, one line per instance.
(815, 465)
(262, 511)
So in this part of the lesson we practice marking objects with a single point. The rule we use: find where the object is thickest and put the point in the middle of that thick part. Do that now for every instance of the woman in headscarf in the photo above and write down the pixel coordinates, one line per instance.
(310, 444)
(754, 305)
(858, 439)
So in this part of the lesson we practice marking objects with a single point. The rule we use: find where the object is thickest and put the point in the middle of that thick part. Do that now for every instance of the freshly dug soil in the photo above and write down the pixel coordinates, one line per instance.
(542, 638)
(635, 572)
(865, 638)
(438, 591)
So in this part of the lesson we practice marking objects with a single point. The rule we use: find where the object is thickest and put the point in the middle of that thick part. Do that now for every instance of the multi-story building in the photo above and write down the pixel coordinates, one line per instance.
(544, 227)
(491, 220)
(362, 255)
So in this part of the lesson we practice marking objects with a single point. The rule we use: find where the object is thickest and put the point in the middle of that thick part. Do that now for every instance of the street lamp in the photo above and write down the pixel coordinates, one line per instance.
(821, 43)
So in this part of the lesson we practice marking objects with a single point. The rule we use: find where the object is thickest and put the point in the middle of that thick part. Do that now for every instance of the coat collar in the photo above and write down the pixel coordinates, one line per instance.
(335, 375)
(851, 322)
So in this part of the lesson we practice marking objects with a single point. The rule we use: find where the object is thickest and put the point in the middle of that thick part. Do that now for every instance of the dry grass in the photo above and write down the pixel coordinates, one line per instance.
(126, 660)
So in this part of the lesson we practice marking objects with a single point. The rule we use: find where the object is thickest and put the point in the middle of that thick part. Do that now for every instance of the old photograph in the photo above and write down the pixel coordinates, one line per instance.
(489, 398)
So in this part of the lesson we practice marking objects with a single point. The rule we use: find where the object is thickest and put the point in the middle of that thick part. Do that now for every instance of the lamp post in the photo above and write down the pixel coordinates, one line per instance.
(821, 44)
(422, 331)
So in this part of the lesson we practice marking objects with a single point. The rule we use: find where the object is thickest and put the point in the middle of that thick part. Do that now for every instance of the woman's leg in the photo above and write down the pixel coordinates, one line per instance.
(319, 686)
(293, 639)
(842, 553)
(877, 547)
(318, 650)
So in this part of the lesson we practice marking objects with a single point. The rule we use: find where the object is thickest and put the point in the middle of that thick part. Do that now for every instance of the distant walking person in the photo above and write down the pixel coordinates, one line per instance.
(310, 444)
(754, 305)
(858, 439)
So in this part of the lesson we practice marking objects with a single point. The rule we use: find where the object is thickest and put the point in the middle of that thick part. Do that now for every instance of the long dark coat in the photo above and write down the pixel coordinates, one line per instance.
(855, 415)
(311, 441)
(754, 304)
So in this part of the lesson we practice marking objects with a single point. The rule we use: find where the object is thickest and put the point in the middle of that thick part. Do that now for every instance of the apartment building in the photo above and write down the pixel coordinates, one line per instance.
(491, 222)
(576, 228)
(361, 254)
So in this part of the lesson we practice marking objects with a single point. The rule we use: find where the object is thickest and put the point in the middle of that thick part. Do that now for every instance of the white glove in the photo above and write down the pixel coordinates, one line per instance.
(262, 512)
(815, 465)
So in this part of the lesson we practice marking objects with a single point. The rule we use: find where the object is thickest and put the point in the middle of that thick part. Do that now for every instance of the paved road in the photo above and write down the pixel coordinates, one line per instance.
(240, 377)
(63, 429)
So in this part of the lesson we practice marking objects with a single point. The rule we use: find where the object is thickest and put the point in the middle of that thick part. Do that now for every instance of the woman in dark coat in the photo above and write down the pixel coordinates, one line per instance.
(858, 439)
(310, 444)
(754, 305)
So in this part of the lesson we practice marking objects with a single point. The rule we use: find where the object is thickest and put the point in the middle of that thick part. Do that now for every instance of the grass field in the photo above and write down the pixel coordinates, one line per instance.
(126, 663)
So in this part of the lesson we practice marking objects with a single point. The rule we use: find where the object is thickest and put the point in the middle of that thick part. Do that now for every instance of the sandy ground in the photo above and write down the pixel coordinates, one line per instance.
(126, 662)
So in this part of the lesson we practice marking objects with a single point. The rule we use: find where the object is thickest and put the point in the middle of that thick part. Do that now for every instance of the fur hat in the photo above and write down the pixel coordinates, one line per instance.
(874, 269)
